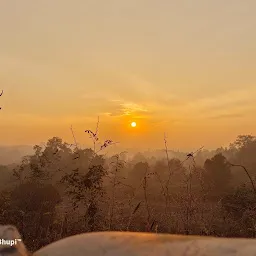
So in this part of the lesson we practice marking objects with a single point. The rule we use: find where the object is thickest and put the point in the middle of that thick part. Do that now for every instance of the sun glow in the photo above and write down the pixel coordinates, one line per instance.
(133, 124)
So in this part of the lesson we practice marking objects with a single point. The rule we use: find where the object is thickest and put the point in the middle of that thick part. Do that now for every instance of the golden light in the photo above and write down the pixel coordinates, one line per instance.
(133, 124)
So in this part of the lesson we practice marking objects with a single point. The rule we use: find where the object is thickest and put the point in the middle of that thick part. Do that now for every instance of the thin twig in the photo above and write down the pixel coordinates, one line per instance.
(71, 128)
(168, 162)
(146, 197)
(247, 173)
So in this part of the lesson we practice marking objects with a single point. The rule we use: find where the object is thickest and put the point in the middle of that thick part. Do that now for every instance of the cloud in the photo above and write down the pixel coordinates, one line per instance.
(227, 116)
(120, 108)
(232, 104)
(27, 119)
(143, 99)
(235, 98)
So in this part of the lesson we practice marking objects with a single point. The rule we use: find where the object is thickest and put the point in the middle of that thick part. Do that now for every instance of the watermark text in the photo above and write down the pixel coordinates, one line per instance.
(10, 242)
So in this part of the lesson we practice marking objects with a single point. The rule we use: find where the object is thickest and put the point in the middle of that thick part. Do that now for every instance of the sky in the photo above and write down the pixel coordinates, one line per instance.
(183, 68)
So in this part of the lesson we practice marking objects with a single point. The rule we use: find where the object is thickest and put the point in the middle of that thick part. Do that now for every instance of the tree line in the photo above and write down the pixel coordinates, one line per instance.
(62, 190)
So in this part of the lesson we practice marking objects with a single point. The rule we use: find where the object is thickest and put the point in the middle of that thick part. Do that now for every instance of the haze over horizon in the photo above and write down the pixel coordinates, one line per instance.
(182, 68)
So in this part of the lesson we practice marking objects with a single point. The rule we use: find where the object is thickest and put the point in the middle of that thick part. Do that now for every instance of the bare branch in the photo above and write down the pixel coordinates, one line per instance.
(247, 173)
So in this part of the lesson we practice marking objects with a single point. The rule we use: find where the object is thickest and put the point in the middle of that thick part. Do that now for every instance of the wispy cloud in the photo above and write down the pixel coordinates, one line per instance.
(127, 109)
(143, 99)
(232, 104)
(227, 116)
(235, 98)
(27, 119)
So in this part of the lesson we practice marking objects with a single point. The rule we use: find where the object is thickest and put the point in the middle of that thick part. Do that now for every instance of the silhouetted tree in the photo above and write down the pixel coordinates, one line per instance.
(246, 148)
(138, 157)
(31, 207)
(84, 185)
(241, 207)
(217, 175)
(137, 173)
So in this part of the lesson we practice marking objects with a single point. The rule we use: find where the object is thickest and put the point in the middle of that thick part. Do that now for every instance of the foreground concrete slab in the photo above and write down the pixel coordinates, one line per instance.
(135, 244)
(130, 244)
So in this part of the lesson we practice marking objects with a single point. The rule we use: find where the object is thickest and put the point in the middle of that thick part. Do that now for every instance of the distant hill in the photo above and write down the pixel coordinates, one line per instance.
(13, 154)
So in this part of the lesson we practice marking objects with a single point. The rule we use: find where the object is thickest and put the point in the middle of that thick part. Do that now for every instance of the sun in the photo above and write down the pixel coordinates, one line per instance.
(133, 124)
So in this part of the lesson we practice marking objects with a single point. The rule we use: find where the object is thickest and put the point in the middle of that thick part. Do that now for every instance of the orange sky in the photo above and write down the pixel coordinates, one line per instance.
(186, 68)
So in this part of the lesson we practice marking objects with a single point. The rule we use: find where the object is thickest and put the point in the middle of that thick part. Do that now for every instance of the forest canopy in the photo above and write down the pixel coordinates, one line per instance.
(62, 189)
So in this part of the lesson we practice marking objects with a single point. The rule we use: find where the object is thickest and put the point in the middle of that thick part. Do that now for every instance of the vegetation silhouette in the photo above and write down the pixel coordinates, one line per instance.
(62, 189)
(1, 95)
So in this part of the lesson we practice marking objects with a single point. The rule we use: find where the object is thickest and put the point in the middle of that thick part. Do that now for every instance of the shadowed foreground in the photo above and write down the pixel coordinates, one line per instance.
(132, 243)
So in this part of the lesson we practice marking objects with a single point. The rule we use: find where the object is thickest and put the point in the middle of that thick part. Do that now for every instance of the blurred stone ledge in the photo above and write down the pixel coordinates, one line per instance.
(135, 244)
